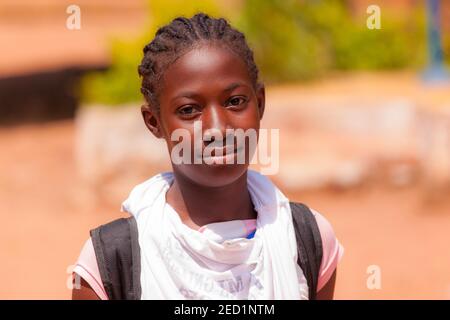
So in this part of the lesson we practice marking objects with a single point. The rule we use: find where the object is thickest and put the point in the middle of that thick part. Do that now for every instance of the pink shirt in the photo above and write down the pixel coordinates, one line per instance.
(87, 268)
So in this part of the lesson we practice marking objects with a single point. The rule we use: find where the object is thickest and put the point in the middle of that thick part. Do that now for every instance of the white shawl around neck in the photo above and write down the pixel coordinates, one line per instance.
(178, 262)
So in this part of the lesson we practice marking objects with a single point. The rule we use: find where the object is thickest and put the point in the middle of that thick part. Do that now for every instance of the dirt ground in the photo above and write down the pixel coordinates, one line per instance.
(47, 213)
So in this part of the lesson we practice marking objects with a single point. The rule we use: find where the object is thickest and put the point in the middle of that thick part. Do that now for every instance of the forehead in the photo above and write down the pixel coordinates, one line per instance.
(203, 68)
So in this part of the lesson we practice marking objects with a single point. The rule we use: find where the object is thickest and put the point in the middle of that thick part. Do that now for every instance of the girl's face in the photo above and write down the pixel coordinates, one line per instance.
(209, 84)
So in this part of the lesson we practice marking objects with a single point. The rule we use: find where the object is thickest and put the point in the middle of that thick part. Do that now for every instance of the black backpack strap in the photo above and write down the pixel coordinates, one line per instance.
(117, 251)
(309, 244)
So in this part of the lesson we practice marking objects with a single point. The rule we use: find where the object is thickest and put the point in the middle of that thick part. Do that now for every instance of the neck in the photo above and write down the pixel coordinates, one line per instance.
(199, 205)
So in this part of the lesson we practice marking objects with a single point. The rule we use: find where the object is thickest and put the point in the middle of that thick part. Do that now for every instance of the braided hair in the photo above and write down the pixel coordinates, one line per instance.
(181, 35)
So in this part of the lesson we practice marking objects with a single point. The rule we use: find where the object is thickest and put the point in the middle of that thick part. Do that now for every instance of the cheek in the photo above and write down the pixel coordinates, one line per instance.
(170, 126)
(249, 119)
(178, 132)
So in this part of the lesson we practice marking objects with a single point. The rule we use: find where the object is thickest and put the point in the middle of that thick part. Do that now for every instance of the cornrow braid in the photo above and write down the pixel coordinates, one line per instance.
(178, 37)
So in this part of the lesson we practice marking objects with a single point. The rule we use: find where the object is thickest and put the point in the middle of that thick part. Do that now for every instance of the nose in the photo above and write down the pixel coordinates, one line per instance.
(215, 124)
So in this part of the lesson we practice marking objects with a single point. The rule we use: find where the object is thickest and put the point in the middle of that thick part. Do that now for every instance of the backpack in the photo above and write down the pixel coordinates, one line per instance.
(117, 251)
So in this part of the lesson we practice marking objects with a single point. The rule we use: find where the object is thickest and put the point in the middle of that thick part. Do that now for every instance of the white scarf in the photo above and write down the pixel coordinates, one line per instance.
(178, 262)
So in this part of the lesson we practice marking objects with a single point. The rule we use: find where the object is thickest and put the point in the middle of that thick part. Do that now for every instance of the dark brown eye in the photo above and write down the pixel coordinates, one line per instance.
(236, 101)
(187, 110)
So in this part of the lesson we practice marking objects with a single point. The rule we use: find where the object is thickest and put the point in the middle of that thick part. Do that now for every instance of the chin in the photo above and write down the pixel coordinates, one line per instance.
(217, 175)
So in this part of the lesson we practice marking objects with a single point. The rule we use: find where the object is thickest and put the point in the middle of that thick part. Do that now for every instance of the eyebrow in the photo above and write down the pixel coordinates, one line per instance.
(233, 86)
(192, 94)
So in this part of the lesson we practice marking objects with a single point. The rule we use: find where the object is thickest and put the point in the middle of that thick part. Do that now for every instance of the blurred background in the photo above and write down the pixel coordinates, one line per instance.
(363, 113)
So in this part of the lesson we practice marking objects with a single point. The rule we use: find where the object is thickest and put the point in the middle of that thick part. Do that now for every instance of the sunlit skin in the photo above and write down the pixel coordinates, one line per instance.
(212, 84)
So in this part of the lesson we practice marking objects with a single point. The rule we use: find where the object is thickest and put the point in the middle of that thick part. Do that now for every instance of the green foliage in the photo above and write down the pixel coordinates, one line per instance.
(121, 83)
(296, 40)
(292, 40)
(398, 44)
(283, 48)
(446, 47)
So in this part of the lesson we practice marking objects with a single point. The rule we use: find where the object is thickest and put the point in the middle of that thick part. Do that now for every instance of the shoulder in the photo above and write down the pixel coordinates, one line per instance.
(87, 268)
(332, 249)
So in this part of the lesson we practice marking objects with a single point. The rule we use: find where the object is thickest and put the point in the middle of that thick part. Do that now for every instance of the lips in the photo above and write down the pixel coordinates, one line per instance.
(221, 156)
(223, 151)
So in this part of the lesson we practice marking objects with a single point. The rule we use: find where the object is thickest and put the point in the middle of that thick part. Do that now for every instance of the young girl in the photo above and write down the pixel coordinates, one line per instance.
(209, 229)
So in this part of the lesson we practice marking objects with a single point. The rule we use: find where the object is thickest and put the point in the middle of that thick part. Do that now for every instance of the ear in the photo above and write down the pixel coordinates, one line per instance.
(261, 98)
(151, 120)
